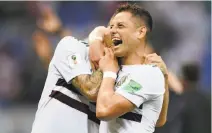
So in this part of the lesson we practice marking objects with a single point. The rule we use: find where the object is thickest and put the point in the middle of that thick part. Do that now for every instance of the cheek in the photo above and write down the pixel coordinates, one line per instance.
(129, 39)
(134, 37)
(130, 35)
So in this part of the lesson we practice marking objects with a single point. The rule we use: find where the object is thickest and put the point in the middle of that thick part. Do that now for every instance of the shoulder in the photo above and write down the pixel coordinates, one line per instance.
(140, 71)
(69, 46)
(149, 77)
(70, 43)
(70, 40)
(67, 39)
(154, 72)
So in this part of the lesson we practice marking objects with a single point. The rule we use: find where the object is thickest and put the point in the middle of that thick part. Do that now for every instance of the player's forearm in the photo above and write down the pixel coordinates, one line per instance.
(175, 83)
(163, 115)
(105, 97)
(89, 84)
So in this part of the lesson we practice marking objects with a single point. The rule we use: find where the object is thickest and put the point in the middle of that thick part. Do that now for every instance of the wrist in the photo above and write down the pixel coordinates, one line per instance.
(109, 74)
(93, 38)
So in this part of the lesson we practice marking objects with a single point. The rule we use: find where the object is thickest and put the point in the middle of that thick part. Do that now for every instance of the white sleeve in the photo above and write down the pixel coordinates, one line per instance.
(142, 86)
(71, 58)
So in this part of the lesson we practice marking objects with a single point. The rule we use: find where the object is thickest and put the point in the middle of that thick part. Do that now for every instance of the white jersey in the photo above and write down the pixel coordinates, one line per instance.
(62, 109)
(144, 86)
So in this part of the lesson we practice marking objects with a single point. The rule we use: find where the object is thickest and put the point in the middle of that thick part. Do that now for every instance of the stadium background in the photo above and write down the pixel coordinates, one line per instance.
(30, 31)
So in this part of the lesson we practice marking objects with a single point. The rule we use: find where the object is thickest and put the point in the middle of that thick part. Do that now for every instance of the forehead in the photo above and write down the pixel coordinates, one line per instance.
(125, 17)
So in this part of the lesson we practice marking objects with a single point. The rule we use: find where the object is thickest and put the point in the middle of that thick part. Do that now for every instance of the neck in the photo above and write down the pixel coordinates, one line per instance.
(136, 56)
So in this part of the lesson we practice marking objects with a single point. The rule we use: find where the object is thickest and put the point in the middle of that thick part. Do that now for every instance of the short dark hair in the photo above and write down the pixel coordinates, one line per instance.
(136, 11)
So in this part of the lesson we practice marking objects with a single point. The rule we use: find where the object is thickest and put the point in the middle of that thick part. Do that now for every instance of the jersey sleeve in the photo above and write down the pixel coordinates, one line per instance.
(141, 85)
(71, 58)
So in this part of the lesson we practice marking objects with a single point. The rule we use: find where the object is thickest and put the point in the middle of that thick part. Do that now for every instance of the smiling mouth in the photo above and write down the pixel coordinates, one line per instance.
(117, 42)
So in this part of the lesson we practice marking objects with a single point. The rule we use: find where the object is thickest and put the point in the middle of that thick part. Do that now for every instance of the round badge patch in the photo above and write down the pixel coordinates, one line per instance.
(74, 60)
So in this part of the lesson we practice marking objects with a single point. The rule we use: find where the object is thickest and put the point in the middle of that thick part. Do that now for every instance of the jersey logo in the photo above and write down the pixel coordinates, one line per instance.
(121, 81)
(74, 59)
(132, 86)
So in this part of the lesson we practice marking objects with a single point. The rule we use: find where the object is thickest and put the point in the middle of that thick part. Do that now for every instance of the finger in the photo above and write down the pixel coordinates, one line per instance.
(144, 60)
(155, 58)
(153, 64)
(144, 57)
(159, 66)
(107, 53)
(149, 60)
(152, 55)
(94, 65)
(107, 39)
(111, 52)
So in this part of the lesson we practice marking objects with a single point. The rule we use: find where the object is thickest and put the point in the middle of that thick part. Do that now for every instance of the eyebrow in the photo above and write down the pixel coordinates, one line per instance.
(118, 23)
(122, 23)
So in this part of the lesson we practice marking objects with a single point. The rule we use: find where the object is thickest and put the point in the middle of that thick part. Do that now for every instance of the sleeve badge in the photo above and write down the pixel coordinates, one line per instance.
(74, 60)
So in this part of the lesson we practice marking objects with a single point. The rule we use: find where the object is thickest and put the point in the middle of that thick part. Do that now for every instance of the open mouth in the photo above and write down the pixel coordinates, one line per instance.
(117, 42)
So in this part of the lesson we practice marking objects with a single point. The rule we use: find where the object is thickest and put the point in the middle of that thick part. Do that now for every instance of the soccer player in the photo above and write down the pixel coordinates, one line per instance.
(136, 102)
(62, 107)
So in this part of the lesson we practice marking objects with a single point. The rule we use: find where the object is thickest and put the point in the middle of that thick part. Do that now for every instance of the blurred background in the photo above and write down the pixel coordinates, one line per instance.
(30, 31)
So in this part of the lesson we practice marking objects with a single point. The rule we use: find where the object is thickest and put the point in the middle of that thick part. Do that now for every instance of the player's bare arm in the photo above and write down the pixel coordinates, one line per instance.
(89, 84)
(109, 104)
(163, 114)
(157, 60)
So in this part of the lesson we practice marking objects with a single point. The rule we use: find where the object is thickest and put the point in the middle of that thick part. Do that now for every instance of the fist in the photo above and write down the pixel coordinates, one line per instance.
(108, 62)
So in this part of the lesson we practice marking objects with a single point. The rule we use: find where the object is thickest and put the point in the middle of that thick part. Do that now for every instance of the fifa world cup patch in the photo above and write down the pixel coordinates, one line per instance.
(74, 59)
(132, 86)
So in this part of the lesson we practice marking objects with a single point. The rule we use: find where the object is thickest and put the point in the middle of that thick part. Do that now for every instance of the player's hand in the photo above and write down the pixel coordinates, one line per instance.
(154, 59)
(108, 62)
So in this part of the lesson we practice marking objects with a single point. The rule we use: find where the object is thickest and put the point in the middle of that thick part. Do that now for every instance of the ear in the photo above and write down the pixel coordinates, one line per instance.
(141, 32)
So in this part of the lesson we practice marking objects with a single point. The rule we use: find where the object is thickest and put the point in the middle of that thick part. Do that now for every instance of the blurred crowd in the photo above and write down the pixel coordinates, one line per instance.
(30, 31)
